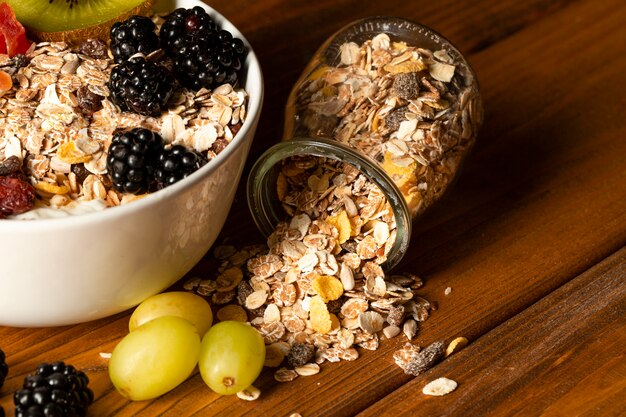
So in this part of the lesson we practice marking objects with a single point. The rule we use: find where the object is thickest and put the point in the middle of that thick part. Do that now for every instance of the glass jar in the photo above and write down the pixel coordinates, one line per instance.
(390, 97)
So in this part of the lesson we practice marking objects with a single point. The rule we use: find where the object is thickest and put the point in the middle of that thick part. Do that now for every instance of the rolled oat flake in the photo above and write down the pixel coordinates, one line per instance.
(439, 387)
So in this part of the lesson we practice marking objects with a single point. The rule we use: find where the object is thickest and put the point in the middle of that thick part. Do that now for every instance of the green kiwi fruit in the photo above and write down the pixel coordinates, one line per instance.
(74, 20)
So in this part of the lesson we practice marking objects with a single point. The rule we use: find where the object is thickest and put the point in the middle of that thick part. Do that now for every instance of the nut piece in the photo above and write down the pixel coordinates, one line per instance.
(391, 331)
(410, 329)
(439, 387)
(285, 375)
(249, 394)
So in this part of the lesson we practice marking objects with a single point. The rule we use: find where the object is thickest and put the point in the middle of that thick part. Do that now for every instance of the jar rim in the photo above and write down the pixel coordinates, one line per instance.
(263, 177)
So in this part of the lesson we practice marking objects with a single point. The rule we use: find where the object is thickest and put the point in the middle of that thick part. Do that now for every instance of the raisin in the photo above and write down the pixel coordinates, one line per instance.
(19, 61)
(11, 165)
(16, 196)
(300, 354)
(94, 48)
(395, 117)
(334, 306)
(88, 101)
(81, 172)
(219, 145)
(406, 85)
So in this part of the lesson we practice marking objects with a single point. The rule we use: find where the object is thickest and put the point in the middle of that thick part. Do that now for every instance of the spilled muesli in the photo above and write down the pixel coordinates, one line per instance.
(317, 291)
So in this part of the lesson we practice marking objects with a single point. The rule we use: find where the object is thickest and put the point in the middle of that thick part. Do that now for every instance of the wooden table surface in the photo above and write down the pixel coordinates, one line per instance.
(531, 239)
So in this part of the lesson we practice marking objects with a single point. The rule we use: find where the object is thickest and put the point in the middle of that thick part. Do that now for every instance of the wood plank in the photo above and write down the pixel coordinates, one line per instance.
(564, 356)
(501, 241)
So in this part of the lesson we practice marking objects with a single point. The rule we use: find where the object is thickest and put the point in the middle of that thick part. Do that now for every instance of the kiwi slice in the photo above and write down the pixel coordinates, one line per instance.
(74, 20)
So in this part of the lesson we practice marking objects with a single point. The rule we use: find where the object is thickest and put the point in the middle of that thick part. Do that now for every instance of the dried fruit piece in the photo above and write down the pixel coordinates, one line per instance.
(16, 196)
(52, 188)
(300, 354)
(232, 312)
(327, 287)
(11, 165)
(5, 81)
(229, 279)
(406, 85)
(439, 387)
(69, 152)
(12, 31)
(404, 67)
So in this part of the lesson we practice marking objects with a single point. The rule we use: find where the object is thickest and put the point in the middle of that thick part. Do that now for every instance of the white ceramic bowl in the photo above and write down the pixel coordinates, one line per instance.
(80, 268)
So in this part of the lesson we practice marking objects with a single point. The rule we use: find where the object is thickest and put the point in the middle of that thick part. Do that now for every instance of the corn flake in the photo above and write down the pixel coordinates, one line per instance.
(342, 223)
(329, 288)
(405, 67)
(319, 317)
(52, 188)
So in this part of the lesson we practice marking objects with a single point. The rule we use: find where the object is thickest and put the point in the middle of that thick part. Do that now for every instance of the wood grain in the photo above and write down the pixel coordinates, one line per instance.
(541, 199)
(563, 356)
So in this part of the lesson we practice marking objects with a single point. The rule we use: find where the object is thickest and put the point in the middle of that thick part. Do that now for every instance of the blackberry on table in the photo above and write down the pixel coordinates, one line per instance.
(176, 163)
(55, 389)
(141, 86)
(132, 36)
(4, 368)
(131, 159)
(203, 55)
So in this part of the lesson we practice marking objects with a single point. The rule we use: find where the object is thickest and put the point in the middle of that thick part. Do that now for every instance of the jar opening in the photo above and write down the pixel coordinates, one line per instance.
(266, 207)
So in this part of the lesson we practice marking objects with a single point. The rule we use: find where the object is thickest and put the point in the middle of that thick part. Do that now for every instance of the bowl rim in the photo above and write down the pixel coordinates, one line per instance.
(253, 111)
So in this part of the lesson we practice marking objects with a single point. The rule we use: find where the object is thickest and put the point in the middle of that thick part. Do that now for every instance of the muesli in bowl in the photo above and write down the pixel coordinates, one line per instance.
(81, 267)
(98, 124)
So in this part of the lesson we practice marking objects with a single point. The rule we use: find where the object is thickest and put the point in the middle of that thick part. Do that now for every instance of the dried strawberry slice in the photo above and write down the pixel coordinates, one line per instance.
(3, 44)
(13, 32)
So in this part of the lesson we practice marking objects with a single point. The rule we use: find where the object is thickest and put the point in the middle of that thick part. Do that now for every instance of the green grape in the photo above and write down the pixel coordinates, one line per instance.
(176, 303)
(155, 358)
(231, 357)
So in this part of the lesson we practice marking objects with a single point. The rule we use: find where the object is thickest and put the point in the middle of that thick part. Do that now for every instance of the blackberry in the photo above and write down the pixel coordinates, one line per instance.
(141, 86)
(55, 389)
(202, 54)
(131, 159)
(176, 163)
(135, 35)
(4, 369)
